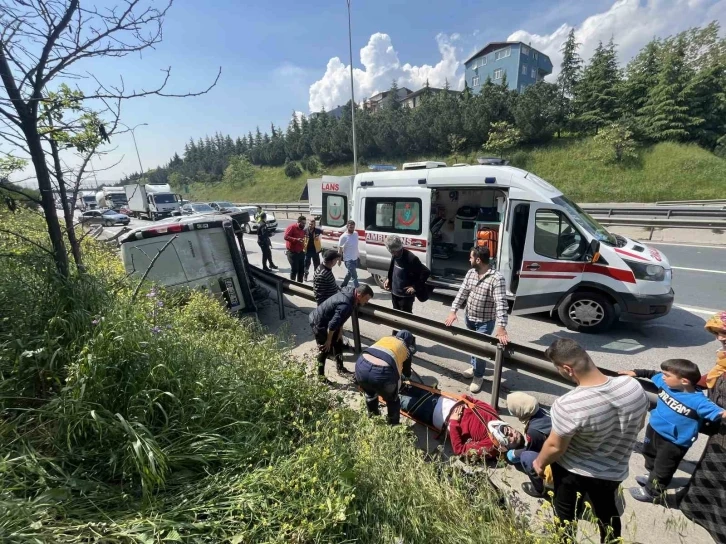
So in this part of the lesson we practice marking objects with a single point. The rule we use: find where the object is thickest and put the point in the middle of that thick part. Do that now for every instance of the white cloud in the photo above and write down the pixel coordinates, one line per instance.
(381, 66)
(631, 24)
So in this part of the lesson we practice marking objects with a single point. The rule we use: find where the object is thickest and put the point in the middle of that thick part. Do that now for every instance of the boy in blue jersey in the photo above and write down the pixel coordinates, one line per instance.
(673, 425)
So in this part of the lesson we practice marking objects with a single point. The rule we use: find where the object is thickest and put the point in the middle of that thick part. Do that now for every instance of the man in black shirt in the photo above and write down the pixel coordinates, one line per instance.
(263, 240)
(406, 276)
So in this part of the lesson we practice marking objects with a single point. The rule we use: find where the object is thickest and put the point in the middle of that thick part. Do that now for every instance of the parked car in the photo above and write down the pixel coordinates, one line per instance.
(196, 207)
(107, 218)
(238, 213)
(251, 226)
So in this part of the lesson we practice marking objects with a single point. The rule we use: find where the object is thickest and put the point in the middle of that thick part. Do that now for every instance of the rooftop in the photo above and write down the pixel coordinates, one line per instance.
(492, 46)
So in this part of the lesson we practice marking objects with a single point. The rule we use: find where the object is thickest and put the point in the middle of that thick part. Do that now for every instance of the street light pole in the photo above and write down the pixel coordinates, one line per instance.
(133, 136)
(352, 94)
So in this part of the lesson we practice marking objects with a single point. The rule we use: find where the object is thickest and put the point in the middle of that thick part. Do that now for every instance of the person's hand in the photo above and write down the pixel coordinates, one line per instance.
(326, 347)
(387, 285)
(456, 414)
(450, 319)
(502, 335)
(627, 373)
(538, 468)
(339, 262)
(410, 291)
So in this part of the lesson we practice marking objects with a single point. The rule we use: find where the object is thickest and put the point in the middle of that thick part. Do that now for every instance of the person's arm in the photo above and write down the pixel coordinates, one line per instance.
(406, 367)
(341, 315)
(461, 297)
(709, 410)
(500, 301)
(554, 447)
(389, 278)
(288, 234)
(328, 340)
(639, 373)
(455, 433)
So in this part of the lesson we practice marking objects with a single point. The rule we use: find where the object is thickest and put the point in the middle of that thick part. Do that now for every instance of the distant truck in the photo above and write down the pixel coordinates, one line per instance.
(87, 201)
(204, 252)
(113, 198)
(153, 201)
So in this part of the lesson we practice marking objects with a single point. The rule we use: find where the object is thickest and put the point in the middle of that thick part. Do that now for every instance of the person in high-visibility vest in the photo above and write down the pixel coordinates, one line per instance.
(379, 369)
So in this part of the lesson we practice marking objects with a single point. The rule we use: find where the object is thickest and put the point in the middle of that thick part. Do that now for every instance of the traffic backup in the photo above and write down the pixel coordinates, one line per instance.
(554, 256)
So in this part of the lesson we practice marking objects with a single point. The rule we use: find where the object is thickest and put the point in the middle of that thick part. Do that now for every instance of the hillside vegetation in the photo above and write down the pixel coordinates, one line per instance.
(666, 171)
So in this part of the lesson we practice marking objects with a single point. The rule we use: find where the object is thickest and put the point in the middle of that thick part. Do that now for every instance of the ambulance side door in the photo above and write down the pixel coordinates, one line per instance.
(336, 204)
(553, 262)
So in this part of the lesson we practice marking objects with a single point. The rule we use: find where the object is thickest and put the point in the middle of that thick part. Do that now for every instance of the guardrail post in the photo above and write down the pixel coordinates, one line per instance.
(280, 300)
(356, 330)
(497, 378)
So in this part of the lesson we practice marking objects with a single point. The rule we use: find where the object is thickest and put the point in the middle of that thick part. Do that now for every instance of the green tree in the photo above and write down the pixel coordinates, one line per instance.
(292, 169)
(502, 137)
(239, 172)
(535, 112)
(597, 93)
(567, 80)
(615, 144)
(456, 143)
(391, 102)
(641, 76)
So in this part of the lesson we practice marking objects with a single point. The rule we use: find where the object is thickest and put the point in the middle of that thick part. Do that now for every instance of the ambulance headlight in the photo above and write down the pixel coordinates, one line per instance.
(647, 272)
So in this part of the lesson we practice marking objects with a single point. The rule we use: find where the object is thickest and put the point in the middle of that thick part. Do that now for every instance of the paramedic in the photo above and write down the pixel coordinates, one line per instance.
(406, 276)
(485, 294)
(379, 370)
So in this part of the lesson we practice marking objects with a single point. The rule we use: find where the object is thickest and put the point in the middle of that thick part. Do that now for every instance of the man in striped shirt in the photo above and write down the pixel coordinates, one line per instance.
(485, 294)
(324, 284)
(594, 429)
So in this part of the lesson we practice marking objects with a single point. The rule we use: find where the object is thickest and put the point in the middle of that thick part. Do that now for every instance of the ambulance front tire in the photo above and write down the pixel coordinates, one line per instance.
(587, 312)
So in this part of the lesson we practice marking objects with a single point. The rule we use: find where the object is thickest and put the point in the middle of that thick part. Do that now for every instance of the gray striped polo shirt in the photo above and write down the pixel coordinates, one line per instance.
(604, 422)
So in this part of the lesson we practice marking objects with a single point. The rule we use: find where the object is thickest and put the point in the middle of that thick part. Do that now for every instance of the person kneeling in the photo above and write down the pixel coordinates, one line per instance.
(379, 369)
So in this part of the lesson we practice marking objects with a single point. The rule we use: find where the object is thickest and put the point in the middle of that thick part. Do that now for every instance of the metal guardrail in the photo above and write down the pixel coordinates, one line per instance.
(657, 212)
(714, 202)
(513, 355)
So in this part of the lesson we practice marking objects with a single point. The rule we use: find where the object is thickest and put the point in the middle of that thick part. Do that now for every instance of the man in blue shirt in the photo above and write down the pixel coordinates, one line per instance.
(673, 425)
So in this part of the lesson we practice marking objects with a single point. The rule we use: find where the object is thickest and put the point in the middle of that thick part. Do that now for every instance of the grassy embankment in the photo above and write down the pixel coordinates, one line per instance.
(166, 420)
(667, 171)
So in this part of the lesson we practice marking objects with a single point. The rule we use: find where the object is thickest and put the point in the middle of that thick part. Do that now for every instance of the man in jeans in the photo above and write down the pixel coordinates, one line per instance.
(263, 240)
(594, 429)
(485, 295)
(295, 241)
(348, 248)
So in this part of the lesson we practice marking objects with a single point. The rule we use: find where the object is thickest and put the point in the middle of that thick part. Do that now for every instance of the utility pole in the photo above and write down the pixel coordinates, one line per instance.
(131, 130)
(352, 94)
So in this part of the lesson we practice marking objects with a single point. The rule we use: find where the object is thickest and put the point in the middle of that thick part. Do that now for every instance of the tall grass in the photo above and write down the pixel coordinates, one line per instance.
(666, 171)
(168, 420)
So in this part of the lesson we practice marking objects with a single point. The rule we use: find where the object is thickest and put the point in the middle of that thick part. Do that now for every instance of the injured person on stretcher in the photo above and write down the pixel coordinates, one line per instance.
(473, 426)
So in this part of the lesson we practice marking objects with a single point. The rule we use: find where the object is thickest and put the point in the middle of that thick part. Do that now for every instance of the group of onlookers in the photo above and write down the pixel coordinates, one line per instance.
(582, 446)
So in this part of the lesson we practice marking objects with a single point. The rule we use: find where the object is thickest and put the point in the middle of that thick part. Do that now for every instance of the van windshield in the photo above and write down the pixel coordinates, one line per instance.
(585, 221)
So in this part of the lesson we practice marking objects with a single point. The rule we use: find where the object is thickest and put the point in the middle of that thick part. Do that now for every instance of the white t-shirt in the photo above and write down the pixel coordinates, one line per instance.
(441, 411)
(349, 243)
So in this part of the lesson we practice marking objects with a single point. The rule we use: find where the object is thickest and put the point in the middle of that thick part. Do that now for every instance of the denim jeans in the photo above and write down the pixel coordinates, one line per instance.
(484, 327)
(352, 268)
(375, 381)
(527, 459)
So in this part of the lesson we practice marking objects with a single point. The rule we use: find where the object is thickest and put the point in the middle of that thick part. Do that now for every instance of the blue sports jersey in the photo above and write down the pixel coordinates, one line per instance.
(677, 415)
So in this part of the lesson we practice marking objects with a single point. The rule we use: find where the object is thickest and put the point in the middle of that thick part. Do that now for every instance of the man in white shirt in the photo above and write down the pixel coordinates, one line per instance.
(348, 249)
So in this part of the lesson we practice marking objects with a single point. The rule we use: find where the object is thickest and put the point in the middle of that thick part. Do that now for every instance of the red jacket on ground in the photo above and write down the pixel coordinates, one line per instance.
(469, 434)
(292, 234)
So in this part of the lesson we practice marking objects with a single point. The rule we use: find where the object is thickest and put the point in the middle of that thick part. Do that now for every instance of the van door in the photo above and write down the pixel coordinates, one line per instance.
(395, 210)
(336, 208)
(553, 261)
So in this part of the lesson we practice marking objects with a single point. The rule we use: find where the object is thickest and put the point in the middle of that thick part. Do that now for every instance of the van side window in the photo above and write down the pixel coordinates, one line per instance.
(556, 237)
(393, 215)
(335, 211)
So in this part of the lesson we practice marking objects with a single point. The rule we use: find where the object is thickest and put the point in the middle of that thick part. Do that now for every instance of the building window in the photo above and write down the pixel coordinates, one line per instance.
(525, 50)
(522, 88)
(498, 74)
(534, 73)
(503, 53)
(393, 215)
(534, 54)
(475, 81)
(524, 69)
(483, 61)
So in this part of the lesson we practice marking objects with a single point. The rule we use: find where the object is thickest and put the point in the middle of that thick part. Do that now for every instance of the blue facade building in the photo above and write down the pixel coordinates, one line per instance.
(522, 65)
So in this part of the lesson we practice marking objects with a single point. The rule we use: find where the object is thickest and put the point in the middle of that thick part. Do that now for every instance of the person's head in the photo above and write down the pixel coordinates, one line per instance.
(330, 257)
(259, 209)
(312, 224)
(351, 226)
(394, 245)
(680, 374)
(301, 221)
(408, 339)
(522, 406)
(570, 359)
(363, 293)
(506, 436)
(263, 216)
(717, 326)
(479, 258)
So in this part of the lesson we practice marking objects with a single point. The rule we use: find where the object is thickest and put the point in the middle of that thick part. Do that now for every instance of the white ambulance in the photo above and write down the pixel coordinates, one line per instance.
(554, 256)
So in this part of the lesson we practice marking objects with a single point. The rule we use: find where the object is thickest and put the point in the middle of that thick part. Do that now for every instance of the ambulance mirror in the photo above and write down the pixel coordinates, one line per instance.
(593, 253)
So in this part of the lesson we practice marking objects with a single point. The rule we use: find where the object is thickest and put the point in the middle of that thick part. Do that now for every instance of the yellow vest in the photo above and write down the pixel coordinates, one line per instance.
(316, 241)
(393, 347)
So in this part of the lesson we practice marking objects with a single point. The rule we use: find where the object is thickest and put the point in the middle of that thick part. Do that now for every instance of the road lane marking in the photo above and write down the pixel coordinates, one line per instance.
(649, 243)
(705, 271)
(704, 311)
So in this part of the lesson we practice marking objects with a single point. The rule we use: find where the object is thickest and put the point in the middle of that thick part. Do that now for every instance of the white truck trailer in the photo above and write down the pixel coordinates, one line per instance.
(153, 201)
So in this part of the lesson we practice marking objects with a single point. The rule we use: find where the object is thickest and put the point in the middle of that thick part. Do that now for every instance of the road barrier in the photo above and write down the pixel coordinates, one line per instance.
(513, 356)
(714, 202)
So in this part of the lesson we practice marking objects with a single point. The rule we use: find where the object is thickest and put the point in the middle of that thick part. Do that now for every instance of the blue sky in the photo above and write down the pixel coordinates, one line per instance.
(272, 52)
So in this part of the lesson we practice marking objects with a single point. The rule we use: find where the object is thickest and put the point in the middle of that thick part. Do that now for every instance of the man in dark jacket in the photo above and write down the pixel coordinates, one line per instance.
(328, 319)
(406, 276)
(263, 240)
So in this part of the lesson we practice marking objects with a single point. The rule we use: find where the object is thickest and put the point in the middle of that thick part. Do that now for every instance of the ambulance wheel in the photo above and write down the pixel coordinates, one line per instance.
(380, 280)
(587, 312)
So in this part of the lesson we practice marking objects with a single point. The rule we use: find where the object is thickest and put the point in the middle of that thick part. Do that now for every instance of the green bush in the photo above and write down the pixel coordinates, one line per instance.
(166, 419)
(311, 164)
(292, 169)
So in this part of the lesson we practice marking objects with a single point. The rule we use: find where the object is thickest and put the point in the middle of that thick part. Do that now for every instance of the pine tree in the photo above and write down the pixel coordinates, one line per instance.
(641, 76)
(567, 80)
(596, 95)
(391, 101)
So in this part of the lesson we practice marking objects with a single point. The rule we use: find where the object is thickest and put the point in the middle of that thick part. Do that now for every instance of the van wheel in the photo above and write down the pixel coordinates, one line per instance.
(587, 312)
(248, 229)
(380, 280)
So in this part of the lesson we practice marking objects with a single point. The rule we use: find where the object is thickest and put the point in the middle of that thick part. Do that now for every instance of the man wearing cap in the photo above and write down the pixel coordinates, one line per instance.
(295, 243)
(379, 369)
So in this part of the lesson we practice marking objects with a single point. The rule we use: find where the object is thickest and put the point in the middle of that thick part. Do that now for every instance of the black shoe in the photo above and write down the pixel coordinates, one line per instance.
(642, 480)
(343, 371)
(265, 269)
(321, 370)
(643, 495)
(273, 267)
(529, 489)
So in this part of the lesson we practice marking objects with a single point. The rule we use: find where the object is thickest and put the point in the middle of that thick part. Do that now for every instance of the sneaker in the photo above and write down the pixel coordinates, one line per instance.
(529, 489)
(469, 372)
(642, 480)
(476, 382)
(305, 278)
(641, 494)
